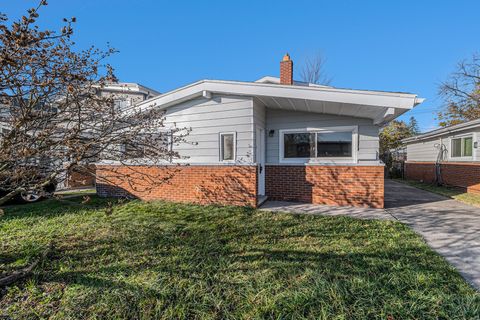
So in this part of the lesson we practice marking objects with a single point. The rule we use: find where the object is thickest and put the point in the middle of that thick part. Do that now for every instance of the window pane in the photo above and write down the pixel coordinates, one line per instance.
(227, 146)
(467, 147)
(334, 144)
(456, 147)
(298, 145)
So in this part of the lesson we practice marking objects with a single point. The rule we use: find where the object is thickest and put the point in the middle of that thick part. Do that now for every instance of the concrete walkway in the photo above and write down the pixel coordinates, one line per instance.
(308, 208)
(448, 226)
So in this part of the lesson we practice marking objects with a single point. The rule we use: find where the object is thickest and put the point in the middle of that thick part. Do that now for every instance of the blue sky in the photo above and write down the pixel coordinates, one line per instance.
(408, 46)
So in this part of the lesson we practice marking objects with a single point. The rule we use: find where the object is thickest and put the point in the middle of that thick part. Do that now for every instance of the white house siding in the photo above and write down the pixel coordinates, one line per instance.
(207, 118)
(282, 119)
(425, 150)
(259, 120)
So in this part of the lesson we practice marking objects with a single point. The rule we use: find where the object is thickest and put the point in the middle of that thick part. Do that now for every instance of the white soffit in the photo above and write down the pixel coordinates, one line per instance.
(378, 105)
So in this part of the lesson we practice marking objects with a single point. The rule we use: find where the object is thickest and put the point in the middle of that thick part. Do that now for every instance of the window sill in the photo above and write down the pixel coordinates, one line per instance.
(460, 159)
(319, 161)
(351, 164)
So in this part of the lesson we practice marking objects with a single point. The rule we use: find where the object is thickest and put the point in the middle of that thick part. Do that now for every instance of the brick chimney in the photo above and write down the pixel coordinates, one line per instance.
(286, 70)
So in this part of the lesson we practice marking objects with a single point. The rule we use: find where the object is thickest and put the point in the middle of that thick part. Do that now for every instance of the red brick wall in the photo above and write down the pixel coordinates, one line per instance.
(360, 186)
(420, 171)
(229, 185)
(458, 174)
(81, 177)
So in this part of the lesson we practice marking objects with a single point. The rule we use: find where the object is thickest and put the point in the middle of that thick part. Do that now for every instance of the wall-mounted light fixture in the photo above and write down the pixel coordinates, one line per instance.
(271, 133)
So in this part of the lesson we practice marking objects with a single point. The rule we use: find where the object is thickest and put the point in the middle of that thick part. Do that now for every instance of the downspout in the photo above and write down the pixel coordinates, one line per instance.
(438, 163)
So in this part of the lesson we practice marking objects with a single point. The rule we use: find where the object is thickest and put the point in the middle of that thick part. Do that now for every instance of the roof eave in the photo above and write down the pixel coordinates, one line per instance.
(443, 131)
(392, 104)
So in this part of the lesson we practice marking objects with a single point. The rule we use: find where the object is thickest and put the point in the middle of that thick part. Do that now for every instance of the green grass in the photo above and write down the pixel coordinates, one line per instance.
(162, 261)
(449, 192)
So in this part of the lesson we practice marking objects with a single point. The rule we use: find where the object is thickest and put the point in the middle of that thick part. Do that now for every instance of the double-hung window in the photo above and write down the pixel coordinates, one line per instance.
(462, 147)
(317, 145)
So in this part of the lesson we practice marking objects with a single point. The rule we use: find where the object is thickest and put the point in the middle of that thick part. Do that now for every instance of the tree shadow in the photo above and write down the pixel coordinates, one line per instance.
(288, 183)
(221, 185)
(464, 176)
(175, 255)
(142, 182)
(56, 206)
(229, 185)
(449, 227)
(398, 195)
(81, 176)
(329, 185)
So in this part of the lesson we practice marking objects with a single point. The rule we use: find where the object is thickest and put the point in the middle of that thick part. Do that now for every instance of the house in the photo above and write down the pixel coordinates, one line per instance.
(124, 95)
(447, 156)
(274, 138)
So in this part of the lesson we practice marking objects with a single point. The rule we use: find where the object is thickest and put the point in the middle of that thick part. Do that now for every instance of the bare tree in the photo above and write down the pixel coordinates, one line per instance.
(461, 93)
(313, 71)
(53, 117)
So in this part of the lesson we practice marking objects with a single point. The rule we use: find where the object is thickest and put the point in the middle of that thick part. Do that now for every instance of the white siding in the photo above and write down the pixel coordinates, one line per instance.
(259, 119)
(259, 114)
(207, 118)
(425, 150)
(283, 119)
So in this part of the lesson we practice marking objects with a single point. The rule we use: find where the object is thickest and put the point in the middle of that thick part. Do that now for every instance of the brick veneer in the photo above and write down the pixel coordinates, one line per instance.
(420, 171)
(231, 185)
(464, 175)
(80, 177)
(361, 186)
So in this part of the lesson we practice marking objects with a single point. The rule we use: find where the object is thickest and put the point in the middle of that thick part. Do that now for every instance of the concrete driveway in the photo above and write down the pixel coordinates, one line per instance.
(450, 227)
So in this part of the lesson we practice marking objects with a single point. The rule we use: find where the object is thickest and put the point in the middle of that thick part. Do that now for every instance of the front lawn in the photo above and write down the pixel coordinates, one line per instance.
(446, 191)
(162, 261)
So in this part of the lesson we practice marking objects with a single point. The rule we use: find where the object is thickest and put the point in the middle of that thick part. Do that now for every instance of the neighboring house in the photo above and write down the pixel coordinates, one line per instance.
(447, 156)
(125, 95)
(399, 154)
(274, 138)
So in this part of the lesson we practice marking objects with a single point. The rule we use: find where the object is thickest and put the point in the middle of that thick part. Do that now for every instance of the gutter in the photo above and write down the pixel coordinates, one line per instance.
(443, 131)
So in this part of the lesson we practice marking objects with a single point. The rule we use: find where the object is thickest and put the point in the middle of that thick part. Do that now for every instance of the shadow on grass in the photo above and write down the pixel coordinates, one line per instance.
(182, 261)
(191, 251)
(53, 207)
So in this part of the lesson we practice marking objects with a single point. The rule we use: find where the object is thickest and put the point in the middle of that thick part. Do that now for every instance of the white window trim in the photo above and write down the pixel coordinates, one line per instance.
(460, 136)
(220, 146)
(333, 160)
